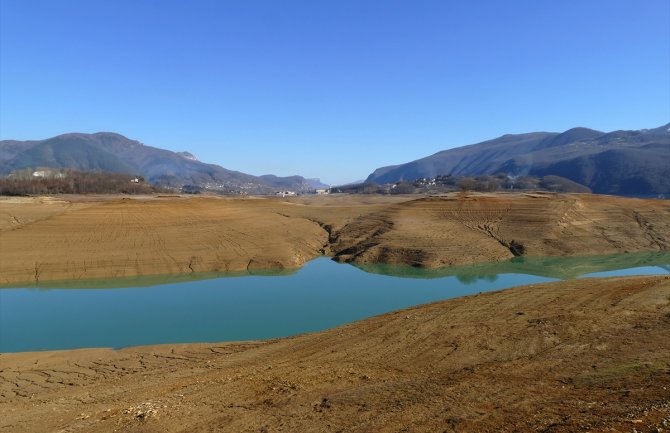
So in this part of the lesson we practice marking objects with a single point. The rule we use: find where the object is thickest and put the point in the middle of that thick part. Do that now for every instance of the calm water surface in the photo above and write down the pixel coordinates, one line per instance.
(321, 295)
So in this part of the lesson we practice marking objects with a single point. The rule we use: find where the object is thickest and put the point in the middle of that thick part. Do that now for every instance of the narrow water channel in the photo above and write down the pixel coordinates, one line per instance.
(323, 294)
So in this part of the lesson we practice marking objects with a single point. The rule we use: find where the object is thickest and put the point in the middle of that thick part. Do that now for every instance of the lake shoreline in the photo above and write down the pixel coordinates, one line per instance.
(572, 355)
(544, 266)
(497, 360)
(322, 295)
(95, 237)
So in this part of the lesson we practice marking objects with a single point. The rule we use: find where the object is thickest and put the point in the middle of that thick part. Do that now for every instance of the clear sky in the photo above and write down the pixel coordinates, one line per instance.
(330, 89)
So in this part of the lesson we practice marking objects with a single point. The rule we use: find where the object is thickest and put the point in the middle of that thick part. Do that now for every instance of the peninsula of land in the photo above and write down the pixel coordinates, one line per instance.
(100, 237)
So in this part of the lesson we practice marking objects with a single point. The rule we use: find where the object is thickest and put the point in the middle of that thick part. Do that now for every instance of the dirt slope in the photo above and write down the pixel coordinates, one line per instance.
(102, 237)
(434, 232)
(580, 355)
(145, 236)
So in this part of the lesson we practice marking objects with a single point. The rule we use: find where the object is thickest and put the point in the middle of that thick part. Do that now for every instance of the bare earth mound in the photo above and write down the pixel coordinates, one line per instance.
(102, 237)
(585, 355)
(437, 231)
(126, 237)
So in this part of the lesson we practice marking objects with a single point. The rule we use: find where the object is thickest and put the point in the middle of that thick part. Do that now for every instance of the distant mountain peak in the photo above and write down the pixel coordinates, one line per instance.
(573, 135)
(100, 138)
(107, 134)
(113, 152)
(581, 132)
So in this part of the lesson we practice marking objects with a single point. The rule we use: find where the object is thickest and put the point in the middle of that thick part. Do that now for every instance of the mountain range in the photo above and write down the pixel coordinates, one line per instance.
(107, 151)
(620, 162)
(633, 163)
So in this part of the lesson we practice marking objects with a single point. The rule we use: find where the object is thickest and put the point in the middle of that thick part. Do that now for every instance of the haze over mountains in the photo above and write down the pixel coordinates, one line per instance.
(619, 162)
(106, 151)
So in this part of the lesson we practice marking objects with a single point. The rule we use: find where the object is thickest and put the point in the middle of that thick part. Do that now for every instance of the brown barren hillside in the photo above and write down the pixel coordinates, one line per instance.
(581, 355)
(84, 237)
(463, 229)
(147, 236)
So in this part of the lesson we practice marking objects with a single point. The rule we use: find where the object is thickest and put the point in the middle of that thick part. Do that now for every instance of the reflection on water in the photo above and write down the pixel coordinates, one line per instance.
(562, 268)
(471, 279)
(204, 307)
(151, 280)
(550, 267)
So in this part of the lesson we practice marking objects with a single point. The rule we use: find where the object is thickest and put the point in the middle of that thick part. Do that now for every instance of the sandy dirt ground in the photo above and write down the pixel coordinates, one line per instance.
(478, 228)
(83, 238)
(581, 355)
(92, 237)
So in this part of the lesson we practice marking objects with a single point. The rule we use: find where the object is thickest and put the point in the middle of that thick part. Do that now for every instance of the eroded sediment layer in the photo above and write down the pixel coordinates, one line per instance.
(149, 236)
(562, 357)
(102, 237)
(463, 229)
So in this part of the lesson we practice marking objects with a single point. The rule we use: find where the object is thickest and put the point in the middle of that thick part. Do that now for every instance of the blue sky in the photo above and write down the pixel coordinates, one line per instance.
(330, 89)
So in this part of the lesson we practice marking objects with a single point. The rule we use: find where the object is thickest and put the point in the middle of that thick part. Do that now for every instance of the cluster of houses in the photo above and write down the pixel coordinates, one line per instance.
(318, 191)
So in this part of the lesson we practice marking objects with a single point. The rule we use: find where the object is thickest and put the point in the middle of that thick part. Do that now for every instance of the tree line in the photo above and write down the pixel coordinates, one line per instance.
(66, 181)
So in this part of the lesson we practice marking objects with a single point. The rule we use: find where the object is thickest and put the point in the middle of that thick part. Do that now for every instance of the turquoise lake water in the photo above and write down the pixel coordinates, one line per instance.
(323, 294)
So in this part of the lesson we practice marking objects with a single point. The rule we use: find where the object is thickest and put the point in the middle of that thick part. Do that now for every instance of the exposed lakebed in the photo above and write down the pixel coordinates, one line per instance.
(211, 307)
